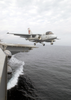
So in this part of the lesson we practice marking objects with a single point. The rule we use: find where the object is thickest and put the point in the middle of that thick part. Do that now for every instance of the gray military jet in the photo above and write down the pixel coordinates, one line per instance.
(38, 38)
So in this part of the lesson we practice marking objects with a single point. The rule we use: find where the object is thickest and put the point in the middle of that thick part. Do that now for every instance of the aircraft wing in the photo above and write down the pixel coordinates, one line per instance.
(25, 35)
(21, 35)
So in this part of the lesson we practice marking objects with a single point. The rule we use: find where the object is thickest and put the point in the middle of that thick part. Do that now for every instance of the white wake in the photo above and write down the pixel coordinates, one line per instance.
(17, 68)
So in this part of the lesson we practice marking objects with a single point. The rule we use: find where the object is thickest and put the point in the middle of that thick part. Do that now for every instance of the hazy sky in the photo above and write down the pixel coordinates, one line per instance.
(38, 15)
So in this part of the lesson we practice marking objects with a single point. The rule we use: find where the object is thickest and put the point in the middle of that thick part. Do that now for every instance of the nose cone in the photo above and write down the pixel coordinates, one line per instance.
(54, 36)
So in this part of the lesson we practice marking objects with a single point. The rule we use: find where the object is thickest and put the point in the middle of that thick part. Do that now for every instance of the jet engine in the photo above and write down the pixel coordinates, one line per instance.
(37, 37)
(53, 40)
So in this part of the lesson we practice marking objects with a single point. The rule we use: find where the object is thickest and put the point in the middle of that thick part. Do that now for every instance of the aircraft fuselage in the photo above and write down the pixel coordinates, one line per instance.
(42, 38)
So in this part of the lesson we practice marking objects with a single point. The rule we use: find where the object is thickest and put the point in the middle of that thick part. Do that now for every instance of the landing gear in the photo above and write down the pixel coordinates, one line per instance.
(34, 43)
(51, 43)
(43, 44)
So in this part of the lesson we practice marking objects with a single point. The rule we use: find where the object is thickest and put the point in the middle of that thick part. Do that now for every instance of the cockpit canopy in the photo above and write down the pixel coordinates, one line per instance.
(48, 33)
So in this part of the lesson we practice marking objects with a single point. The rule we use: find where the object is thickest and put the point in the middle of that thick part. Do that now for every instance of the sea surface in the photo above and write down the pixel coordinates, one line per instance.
(43, 73)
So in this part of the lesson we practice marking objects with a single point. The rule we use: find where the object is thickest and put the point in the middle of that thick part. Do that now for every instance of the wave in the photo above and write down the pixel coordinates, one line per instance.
(20, 87)
(24, 90)
(17, 70)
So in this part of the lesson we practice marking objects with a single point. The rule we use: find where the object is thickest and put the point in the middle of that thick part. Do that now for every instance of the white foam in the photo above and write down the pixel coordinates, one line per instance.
(17, 67)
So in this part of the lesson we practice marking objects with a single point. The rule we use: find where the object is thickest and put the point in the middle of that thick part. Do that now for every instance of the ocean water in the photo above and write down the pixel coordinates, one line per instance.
(44, 73)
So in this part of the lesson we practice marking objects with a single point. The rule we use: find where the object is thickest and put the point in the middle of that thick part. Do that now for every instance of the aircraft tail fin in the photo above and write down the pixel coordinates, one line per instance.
(29, 31)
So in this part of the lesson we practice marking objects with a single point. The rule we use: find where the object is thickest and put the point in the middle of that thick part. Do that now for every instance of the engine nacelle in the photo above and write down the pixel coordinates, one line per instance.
(37, 37)
(53, 40)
